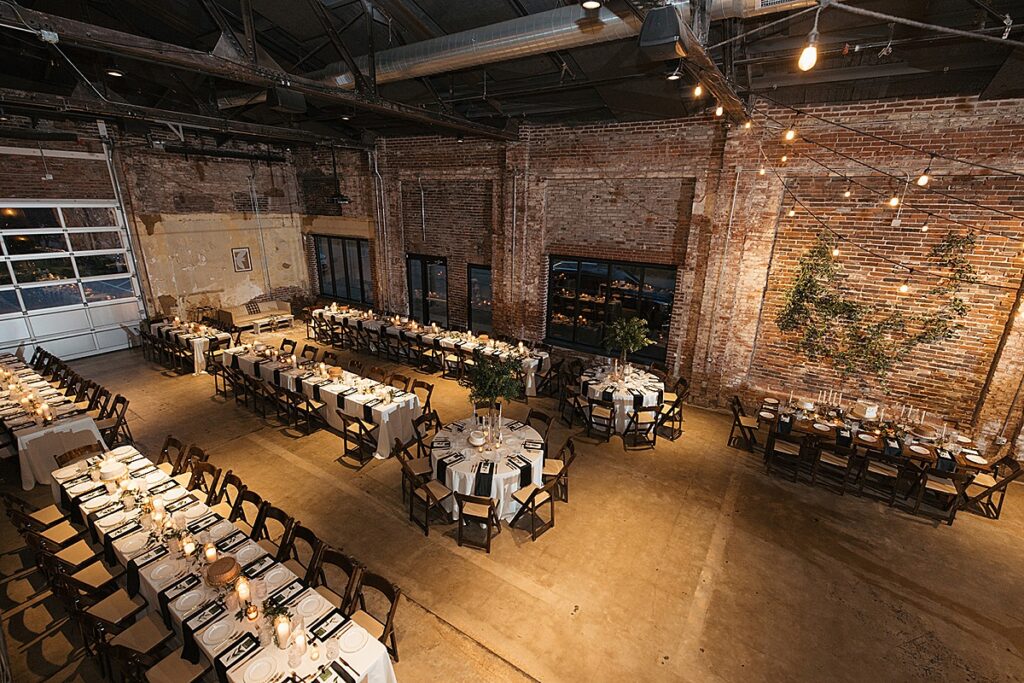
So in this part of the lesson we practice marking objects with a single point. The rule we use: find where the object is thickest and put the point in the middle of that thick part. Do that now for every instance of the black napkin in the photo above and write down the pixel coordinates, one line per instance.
(288, 592)
(785, 424)
(242, 648)
(137, 563)
(203, 523)
(484, 479)
(844, 437)
(638, 399)
(525, 469)
(182, 503)
(234, 361)
(164, 486)
(368, 409)
(339, 669)
(277, 376)
(194, 622)
(892, 447)
(445, 462)
(258, 566)
(945, 462)
(173, 592)
(327, 625)
(108, 541)
(608, 394)
(231, 541)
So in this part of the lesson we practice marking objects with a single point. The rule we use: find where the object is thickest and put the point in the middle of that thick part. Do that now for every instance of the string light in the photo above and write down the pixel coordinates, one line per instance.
(591, 4)
(747, 125)
(904, 288)
(790, 134)
(847, 193)
(894, 201)
(924, 228)
(792, 212)
(785, 158)
(698, 90)
(675, 75)
(924, 178)
(761, 171)
(719, 110)
(809, 55)
(835, 250)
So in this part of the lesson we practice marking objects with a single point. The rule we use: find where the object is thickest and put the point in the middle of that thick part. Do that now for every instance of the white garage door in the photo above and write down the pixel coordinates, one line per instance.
(67, 277)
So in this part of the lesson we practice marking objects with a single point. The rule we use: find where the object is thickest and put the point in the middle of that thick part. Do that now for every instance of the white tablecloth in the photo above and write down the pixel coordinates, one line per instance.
(370, 662)
(38, 447)
(461, 476)
(200, 343)
(351, 393)
(532, 361)
(638, 387)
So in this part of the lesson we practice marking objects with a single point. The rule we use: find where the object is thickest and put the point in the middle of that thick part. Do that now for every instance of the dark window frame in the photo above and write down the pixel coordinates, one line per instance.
(337, 242)
(425, 260)
(470, 267)
(652, 352)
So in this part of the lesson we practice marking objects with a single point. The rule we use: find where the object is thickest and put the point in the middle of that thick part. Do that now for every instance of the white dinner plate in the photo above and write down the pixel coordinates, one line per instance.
(97, 502)
(960, 438)
(870, 438)
(767, 415)
(309, 605)
(196, 510)
(976, 459)
(218, 633)
(353, 639)
(917, 448)
(122, 450)
(771, 401)
(260, 670)
(821, 427)
(134, 544)
(66, 472)
(221, 529)
(111, 520)
(248, 553)
(173, 494)
(276, 576)
(164, 571)
(189, 601)
(81, 488)
(156, 477)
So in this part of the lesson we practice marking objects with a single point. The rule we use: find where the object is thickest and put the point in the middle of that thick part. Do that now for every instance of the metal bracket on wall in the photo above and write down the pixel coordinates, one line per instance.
(177, 129)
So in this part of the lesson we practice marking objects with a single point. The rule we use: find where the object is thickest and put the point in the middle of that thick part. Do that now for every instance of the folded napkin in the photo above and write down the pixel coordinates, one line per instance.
(137, 563)
(231, 541)
(445, 462)
(327, 625)
(203, 523)
(368, 409)
(173, 592)
(181, 503)
(844, 437)
(239, 650)
(108, 540)
(288, 592)
(892, 447)
(455, 427)
(516, 426)
(195, 622)
(638, 398)
(339, 668)
(484, 478)
(258, 566)
(164, 486)
(525, 468)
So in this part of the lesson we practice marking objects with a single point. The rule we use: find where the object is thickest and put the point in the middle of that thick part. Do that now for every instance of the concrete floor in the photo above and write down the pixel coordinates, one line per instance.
(682, 563)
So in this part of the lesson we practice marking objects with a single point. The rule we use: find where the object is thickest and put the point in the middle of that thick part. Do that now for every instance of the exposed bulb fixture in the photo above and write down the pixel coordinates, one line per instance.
(760, 171)
(698, 90)
(835, 251)
(894, 201)
(847, 193)
(345, 117)
(790, 134)
(924, 177)
(114, 71)
(904, 288)
(460, 139)
(3, 115)
(924, 228)
(591, 4)
(809, 55)
(675, 75)
(792, 212)
(719, 110)
(747, 124)
(785, 158)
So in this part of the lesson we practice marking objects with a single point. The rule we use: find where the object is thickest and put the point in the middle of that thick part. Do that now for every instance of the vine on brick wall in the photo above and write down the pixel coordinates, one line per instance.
(857, 337)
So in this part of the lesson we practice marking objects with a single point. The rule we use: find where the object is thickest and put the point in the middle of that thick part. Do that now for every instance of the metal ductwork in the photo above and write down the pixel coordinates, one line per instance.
(558, 29)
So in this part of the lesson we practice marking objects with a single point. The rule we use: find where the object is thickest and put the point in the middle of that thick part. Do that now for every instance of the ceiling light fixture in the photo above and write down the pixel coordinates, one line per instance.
(345, 117)
(591, 4)
(675, 75)
(115, 72)
(460, 139)
(785, 158)
(792, 212)
(809, 55)
(698, 90)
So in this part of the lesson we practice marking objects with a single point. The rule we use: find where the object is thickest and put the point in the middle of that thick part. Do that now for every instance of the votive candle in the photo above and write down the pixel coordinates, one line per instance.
(242, 587)
(210, 552)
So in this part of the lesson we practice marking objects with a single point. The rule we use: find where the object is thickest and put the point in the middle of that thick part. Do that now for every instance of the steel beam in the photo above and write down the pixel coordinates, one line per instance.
(332, 35)
(100, 39)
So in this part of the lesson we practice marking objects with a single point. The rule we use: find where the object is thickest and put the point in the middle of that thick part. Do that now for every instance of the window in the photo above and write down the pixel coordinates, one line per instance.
(51, 296)
(36, 270)
(481, 299)
(104, 264)
(94, 241)
(585, 295)
(428, 288)
(42, 243)
(107, 290)
(344, 267)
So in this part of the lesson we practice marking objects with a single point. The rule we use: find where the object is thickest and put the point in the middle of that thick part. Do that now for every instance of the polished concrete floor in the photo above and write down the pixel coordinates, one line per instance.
(682, 563)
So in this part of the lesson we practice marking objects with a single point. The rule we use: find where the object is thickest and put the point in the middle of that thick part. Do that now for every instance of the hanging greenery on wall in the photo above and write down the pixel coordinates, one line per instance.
(859, 337)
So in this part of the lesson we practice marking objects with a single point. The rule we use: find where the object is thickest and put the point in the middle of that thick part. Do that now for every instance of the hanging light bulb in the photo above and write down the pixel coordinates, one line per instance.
(719, 110)
(675, 75)
(698, 90)
(785, 158)
(924, 177)
(591, 4)
(792, 212)
(924, 228)
(904, 288)
(790, 134)
(809, 55)
(894, 201)
(747, 124)
(835, 250)
(847, 193)
(761, 171)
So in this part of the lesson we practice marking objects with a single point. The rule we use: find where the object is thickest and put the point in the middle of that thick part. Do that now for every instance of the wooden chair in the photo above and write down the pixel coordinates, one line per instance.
(641, 429)
(743, 428)
(985, 493)
(400, 381)
(355, 365)
(558, 468)
(377, 374)
(309, 352)
(431, 494)
(795, 449)
(204, 477)
(571, 405)
(288, 346)
(380, 627)
(304, 409)
(329, 357)
(420, 467)
(945, 489)
(324, 573)
(835, 460)
(231, 487)
(670, 417)
(423, 390)
(542, 422)
(246, 511)
(532, 498)
(601, 418)
(477, 510)
(424, 428)
(80, 453)
(115, 425)
(300, 551)
(193, 454)
(271, 528)
(172, 456)
(359, 437)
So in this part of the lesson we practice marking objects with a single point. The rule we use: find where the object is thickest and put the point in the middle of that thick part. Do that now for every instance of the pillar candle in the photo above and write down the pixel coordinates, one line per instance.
(242, 587)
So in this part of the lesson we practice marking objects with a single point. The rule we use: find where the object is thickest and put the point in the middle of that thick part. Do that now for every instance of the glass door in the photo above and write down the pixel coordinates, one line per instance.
(428, 289)
(480, 299)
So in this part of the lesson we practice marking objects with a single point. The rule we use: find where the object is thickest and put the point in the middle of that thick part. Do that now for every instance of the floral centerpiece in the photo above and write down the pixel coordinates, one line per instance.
(490, 379)
(627, 335)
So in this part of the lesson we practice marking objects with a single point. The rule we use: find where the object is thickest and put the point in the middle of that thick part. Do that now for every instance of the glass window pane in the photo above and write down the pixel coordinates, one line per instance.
(480, 299)
(36, 244)
(355, 291)
(624, 294)
(592, 295)
(92, 241)
(37, 270)
(338, 258)
(415, 267)
(656, 307)
(367, 272)
(105, 290)
(51, 296)
(323, 266)
(437, 293)
(9, 301)
(104, 264)
(5, 274)
(88, 217)
(29, 218)
(563, 299)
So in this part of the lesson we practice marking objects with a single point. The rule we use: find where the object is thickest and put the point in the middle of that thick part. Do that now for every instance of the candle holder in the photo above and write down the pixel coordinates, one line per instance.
(252, 612)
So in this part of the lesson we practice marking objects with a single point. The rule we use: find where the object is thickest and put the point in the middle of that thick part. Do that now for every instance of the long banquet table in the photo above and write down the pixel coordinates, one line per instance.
(181, 335)
(199, 618)
(533, 361)
(39, 444)
(352, 394)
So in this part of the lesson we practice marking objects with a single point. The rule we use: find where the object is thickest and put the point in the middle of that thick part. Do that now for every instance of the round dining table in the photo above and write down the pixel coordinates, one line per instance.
(518, 461)
(635, 389)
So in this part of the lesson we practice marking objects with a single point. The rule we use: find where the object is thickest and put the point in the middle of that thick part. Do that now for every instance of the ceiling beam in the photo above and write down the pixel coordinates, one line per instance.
(324, 17)
(248, 28)
(116, 110)
(97, 38)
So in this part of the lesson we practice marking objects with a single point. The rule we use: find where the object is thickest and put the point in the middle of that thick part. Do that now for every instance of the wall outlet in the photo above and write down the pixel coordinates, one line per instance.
(896, 222)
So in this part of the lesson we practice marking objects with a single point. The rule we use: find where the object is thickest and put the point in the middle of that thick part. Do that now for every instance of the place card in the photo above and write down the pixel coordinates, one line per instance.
(532, 445)
(440, 443)
(515, 426)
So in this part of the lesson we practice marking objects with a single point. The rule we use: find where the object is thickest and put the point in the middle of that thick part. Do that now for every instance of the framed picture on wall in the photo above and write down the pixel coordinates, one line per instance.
(241, 259)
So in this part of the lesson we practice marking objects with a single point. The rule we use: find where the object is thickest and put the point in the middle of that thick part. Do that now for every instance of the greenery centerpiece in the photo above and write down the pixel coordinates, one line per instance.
(627, 335)
(489, 380)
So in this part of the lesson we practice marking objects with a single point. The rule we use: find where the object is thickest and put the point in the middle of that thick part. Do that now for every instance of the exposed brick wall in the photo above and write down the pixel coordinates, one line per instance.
(21, 176)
